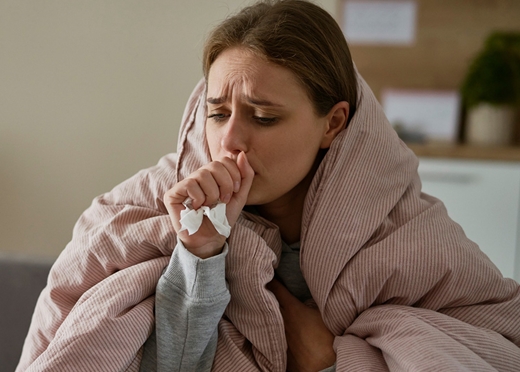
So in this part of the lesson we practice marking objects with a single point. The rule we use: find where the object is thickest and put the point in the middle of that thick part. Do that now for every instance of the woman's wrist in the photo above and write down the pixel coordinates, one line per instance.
(206, 250)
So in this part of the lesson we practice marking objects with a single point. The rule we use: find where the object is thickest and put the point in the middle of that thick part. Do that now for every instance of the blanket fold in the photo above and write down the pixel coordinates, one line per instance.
(395, 279)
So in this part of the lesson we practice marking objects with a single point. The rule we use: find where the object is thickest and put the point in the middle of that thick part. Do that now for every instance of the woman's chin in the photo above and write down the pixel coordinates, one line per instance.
(255, 198)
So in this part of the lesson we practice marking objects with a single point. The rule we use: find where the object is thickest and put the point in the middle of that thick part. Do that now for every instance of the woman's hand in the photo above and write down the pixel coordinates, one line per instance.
(309, 340)
(224, 181)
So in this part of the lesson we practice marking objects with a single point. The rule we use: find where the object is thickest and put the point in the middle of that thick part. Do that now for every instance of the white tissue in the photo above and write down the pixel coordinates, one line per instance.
(191, 219)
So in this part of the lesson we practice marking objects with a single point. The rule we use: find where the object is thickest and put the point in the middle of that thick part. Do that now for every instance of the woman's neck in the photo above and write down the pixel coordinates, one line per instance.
(287, 216)
(287, 211)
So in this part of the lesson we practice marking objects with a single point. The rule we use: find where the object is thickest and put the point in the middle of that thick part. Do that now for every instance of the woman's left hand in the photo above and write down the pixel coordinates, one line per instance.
(308, 339)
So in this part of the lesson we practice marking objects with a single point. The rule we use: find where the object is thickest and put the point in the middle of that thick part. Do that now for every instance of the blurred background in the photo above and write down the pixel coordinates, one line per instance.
(92, 91)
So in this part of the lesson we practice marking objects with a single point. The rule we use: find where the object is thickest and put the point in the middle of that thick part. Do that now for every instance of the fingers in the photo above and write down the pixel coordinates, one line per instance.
(228, 189)
(224, 180)
(285, 299)
(311, 304)
(216, 181)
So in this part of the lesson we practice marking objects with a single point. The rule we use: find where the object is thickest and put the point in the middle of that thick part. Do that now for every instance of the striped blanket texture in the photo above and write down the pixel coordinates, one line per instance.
(396, 280)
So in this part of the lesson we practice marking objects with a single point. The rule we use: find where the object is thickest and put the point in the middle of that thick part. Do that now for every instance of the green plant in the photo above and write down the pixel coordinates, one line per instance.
(494, 75)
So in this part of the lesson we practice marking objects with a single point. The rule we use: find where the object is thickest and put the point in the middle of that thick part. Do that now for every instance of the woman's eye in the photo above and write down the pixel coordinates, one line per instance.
(217, 117)
(264, 120)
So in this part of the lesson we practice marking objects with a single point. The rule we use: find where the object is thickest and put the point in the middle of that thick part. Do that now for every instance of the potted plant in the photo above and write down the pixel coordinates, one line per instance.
(491, 91)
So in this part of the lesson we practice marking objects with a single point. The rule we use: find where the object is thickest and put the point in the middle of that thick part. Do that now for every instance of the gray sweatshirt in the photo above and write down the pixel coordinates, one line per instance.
(191, 297)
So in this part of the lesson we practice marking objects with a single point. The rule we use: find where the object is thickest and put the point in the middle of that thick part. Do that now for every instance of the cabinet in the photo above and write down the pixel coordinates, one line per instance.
(484, 198)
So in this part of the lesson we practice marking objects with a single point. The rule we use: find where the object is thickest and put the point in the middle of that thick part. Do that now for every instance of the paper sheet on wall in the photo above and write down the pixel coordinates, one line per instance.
(380, 22)
(434, 115)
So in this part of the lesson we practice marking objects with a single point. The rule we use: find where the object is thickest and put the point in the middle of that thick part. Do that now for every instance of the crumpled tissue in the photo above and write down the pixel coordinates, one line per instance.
(191, 219)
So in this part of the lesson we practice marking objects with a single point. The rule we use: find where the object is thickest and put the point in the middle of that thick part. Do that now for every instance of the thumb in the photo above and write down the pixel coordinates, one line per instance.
(247, 174)
(239, 199)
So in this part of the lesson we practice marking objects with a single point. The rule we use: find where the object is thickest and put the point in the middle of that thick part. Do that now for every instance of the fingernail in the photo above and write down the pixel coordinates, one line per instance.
(245, 157)
(237, 186)
(226, 198)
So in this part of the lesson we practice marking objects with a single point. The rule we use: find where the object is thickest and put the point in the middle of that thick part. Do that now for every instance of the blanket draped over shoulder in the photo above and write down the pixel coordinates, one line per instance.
(395, 279)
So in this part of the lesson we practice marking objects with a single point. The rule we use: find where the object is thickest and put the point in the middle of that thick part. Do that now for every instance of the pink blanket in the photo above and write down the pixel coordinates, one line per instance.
(395, 279)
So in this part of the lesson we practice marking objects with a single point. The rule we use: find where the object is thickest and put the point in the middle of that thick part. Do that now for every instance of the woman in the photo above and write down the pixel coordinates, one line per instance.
(271, 116)
(371, 274)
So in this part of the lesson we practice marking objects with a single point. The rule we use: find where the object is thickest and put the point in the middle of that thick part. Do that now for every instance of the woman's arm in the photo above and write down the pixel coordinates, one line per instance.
(191, 297)
(310, 343)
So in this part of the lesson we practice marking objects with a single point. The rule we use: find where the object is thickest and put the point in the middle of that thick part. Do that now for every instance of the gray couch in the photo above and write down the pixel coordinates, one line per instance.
(21, 281)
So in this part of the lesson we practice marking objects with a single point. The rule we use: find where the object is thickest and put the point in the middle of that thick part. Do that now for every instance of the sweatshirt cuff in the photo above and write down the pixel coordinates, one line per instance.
(197, 277)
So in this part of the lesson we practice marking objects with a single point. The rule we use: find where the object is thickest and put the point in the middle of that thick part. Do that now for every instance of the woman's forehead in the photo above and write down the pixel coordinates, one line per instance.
(240, 72)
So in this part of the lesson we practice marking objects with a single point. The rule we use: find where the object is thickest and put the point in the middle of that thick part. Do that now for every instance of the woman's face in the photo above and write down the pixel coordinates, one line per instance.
(260, 108)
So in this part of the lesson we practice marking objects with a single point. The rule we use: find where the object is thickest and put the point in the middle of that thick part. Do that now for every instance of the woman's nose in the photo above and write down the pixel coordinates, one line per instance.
(234, 139)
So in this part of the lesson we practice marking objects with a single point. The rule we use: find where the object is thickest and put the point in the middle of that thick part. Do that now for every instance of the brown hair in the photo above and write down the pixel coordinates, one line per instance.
(298, 35)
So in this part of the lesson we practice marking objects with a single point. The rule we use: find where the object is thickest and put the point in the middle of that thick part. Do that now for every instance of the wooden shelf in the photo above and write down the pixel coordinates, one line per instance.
(469, 152)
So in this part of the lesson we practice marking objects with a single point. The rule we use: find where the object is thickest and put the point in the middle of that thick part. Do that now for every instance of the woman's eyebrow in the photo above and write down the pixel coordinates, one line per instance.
(251, 100)
(217, 100)
(262, 102)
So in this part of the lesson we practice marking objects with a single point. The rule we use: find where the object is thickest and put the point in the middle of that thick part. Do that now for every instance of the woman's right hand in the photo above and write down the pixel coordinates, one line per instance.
(226, 181)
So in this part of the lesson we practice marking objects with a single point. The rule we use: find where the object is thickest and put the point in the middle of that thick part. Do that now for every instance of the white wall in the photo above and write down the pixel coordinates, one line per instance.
(91, 91)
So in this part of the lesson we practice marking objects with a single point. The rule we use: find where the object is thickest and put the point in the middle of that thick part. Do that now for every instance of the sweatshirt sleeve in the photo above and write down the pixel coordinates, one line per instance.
(191, 297)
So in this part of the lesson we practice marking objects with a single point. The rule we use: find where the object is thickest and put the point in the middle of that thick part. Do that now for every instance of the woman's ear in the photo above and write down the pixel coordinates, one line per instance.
(336, 122)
